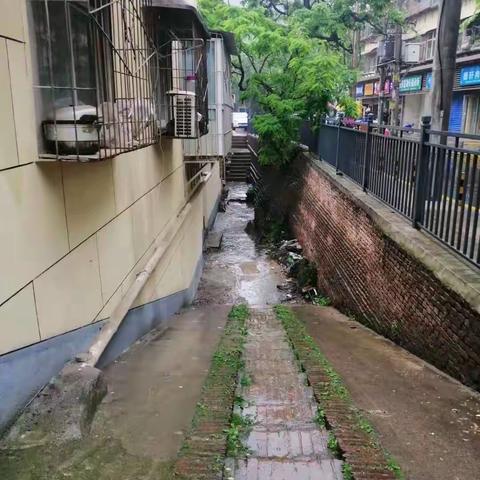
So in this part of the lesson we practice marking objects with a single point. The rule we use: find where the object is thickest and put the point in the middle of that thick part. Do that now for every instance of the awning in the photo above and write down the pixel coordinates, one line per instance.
(182, 7)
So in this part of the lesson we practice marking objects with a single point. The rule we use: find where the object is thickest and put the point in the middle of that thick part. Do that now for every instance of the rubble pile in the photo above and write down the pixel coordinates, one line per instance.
(302, 273)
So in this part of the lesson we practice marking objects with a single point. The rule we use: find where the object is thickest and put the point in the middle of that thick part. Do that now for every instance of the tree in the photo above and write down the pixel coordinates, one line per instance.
(444, 63)
(293, 61)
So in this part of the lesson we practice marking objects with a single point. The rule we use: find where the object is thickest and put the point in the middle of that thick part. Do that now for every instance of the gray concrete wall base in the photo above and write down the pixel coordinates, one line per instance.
(23, 373)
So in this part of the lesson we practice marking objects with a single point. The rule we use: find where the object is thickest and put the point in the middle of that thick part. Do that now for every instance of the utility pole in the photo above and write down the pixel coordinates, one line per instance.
(397, 65)
(382, 68)
(381, 102)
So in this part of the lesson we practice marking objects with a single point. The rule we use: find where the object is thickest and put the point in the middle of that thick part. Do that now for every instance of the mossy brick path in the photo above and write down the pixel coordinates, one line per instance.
(203, 452)
(284, 442)
(355, 437)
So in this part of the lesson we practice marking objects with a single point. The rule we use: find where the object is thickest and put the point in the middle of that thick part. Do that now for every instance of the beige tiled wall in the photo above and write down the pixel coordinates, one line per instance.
(74, 236)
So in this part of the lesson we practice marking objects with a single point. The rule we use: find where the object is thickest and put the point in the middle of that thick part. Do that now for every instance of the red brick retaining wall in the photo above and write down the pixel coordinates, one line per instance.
(366, 273)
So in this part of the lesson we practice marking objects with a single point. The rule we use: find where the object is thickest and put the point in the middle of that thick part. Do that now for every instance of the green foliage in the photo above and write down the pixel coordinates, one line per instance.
(294, 61)
(238, 429)
(320, 418)
(347, 471)
(321, 301)
(333, 446)
(245, 380)
(394, 467)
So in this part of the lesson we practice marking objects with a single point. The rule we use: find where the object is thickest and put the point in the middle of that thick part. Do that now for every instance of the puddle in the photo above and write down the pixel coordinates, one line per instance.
(241, 270)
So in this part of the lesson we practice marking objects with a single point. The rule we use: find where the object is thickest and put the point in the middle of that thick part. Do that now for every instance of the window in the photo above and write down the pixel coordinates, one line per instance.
(369, 63)
(429, 41)
(181, 40)
(183, 88)
(472, 114)
(95, 76)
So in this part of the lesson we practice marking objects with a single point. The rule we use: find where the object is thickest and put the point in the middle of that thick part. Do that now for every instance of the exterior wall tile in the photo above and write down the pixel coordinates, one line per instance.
(116, 252)
(193, 235)
(8, 143)
(33, 232)
(135, 173)
(12, 19)
(143, 226)
(18, 321)
(23, 104)
(68, 295)
(89, 198)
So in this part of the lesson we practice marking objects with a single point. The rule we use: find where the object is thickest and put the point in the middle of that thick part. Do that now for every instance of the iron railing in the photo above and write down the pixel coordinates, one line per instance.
(430, 177)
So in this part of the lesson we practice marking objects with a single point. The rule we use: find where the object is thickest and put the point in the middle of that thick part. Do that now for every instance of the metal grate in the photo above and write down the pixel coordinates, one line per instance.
(97, 77)
(184, 116)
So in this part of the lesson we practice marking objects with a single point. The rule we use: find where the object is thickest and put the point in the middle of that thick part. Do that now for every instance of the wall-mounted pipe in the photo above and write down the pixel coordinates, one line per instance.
(125, 304)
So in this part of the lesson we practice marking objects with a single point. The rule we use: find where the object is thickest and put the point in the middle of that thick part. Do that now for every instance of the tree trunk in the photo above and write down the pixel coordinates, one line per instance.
(444, 63)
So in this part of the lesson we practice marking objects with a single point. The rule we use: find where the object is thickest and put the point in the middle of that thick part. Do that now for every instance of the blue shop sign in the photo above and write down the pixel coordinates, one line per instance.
(359, 90)
(470, 76)
(428, 81)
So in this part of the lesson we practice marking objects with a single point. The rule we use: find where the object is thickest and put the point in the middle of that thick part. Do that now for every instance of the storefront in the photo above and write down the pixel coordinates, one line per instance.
(415, 98)
(466, 103)
(368, 93)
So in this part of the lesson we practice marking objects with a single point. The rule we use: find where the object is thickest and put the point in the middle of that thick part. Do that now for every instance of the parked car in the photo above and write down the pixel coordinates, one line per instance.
(240, 119)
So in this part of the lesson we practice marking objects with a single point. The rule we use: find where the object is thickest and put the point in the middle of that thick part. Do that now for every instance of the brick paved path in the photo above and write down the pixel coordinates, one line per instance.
(285, 442)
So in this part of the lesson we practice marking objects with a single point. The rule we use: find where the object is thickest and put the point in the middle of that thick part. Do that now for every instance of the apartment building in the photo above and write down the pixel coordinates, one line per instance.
(97, 97)
(419, 39)
(217, 143)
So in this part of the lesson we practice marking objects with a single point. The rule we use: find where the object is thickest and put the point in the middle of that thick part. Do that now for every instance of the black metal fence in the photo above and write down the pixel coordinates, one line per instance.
(430, 177)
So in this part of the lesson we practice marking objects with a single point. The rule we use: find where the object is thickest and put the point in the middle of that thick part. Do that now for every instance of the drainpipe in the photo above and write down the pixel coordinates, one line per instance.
(219, 67)
(125, 304)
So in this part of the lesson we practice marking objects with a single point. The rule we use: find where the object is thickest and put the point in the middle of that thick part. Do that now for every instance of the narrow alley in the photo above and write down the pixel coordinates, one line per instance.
(426, 420)
(240, 240)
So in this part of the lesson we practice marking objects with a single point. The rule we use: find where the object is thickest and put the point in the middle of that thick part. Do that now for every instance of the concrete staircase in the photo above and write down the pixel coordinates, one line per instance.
(238, 168)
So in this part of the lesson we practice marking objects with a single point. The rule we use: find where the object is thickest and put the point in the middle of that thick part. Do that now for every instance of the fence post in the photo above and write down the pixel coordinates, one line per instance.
(421, 173)
(319, 139)
(368, 154)
(337, 152)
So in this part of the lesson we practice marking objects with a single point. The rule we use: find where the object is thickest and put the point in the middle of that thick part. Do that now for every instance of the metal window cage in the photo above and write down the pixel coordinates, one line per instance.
(183, 93)
(97, 77)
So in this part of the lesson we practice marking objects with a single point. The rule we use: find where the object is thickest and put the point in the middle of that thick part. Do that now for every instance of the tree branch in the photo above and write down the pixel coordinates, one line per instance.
(241, 72)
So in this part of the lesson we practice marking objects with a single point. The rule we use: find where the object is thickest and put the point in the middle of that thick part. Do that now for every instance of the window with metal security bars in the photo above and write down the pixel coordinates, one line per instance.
(95, 77)
(181, 42)
(183, 98)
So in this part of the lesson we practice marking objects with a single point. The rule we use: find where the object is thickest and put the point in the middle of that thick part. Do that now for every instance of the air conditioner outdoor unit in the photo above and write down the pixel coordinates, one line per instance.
(184, 110)
(411, 52)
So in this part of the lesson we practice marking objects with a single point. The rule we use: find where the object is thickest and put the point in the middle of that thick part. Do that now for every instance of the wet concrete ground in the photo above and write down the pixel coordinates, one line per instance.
(241, 270)
(428, 421)
(154, 387)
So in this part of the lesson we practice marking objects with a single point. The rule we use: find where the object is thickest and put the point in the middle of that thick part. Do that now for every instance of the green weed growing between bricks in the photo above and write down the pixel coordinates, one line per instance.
(215, 428)
(335, 407)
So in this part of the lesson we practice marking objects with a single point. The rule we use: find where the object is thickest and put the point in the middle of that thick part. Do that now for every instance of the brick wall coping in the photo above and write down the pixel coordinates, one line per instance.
(454, 272)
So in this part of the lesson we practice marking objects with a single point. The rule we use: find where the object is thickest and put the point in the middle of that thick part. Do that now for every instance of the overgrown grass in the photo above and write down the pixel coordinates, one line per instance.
(347, 471)
(334, 389)
(239, 428)
(332, 444)
(296, 330)
(321, 301)
(320, 418)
